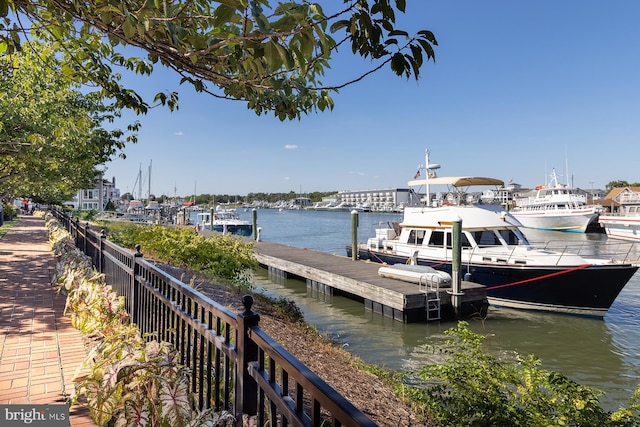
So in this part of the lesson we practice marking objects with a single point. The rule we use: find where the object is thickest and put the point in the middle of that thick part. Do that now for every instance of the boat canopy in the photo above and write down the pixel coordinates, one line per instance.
(457, 181)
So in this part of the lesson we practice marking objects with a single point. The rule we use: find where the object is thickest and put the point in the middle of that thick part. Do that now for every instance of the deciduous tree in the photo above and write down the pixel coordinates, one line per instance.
(52, 136)
(272, 55)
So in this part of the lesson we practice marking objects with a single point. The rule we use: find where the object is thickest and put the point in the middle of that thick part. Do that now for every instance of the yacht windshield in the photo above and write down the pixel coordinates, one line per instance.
(511, 238)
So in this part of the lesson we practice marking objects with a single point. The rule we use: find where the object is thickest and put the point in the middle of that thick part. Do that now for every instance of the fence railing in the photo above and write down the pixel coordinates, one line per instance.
(234, 365)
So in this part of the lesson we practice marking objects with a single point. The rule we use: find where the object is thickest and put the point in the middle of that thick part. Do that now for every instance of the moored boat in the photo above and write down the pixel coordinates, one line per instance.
(225, 221)
(497, 254)
(556, 207)
(624, 224)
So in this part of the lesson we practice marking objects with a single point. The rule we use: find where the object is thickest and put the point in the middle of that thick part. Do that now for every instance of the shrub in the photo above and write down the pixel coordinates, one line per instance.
(224, 257)
(474, 388)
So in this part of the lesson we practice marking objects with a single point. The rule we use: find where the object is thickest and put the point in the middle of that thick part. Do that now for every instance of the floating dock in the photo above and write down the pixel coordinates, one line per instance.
(400, 300)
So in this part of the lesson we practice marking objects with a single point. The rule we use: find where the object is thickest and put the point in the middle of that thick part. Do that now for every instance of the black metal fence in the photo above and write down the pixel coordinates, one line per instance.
(234, 365)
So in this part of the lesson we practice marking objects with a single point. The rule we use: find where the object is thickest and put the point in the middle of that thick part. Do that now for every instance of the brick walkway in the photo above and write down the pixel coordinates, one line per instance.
(40, 351)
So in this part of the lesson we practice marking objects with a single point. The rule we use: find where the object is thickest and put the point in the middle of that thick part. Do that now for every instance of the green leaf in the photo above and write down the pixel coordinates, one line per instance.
(223, 14)
(174, 399)
(338, 25)
(4, 8)
(429, 36)
(129, 28)
(398, 33)
(272, 55)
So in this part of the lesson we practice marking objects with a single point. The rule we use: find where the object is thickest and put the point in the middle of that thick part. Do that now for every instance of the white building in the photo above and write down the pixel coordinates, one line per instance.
(93, 198)
(386, 200)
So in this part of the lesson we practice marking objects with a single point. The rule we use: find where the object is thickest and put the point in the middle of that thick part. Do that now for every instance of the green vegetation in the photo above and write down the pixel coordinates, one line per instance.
(223, 257)
(6, 226)
(620, 184)
(473, 388)
(52, 134)
(85, 215)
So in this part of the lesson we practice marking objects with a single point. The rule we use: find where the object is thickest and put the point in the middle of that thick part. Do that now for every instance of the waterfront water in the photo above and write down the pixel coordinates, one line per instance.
(604, 354)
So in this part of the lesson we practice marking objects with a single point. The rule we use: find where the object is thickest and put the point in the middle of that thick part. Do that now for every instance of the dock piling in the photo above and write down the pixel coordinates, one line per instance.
(354, 235)
(456, 263)
(254, 224)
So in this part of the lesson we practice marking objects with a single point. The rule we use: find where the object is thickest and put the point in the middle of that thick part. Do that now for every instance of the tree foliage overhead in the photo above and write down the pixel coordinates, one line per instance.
(51, 135)
(270, 55)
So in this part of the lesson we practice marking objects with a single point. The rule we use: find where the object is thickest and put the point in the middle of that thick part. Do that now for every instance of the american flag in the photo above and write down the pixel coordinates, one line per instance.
(417, 174)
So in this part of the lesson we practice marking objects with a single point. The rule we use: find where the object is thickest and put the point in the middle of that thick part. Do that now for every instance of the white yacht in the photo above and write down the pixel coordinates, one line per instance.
(556, 207)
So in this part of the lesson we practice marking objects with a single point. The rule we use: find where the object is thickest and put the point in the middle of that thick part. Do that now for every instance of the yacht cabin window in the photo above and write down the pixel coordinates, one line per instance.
(486, 238)
(464, 241)
(510, 237)
(437, 239)
(416, 237)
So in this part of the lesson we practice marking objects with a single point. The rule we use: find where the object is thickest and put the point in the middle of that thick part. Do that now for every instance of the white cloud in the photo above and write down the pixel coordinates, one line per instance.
(290, 147)
(179, 133)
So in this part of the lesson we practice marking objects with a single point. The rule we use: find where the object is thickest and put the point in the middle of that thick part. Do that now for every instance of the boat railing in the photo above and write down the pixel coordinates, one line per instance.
(618, 251)
(621, 252)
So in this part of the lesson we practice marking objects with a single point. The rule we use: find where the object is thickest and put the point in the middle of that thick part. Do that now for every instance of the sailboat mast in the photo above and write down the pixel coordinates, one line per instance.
(149, 183)
(140, 182)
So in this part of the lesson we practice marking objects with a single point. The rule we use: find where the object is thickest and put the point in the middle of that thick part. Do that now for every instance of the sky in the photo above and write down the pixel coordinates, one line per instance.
(517, 89)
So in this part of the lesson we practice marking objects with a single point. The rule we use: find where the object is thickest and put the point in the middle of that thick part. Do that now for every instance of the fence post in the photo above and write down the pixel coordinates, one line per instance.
(76, 234)
(101, 239)
(86, 232)
(135, 286)
(246, 388)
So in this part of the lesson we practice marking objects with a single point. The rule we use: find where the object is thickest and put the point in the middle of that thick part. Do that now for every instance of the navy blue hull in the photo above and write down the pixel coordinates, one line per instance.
(588, 288)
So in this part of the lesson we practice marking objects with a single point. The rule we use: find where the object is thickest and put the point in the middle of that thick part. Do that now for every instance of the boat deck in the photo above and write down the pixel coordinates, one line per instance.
(400, 300)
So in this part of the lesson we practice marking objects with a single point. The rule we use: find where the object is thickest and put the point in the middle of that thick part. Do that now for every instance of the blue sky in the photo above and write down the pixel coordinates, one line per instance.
(518, 88)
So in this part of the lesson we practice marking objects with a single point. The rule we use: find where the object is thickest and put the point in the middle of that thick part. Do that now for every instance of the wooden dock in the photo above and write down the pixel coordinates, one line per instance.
(330, 274)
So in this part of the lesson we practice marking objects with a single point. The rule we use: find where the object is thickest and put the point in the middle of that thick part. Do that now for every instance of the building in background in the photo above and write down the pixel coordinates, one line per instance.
(98, 198)
(386, 200)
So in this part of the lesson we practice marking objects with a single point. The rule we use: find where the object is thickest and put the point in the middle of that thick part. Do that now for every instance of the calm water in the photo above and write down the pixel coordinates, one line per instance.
(604, 354)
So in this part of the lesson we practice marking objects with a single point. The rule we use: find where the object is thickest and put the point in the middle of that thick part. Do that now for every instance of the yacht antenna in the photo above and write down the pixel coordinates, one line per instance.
(426, 172)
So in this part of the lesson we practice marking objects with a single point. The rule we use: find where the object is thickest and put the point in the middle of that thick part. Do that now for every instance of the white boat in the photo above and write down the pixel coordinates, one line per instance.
(556, 207)
(624, 224)
(496, 253)
(224, 221)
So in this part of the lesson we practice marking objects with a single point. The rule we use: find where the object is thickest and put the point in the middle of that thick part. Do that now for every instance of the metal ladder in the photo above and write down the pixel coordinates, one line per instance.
(432, 295)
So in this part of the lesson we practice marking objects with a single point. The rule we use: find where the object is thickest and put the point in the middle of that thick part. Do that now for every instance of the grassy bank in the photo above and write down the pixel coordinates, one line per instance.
(6, 226)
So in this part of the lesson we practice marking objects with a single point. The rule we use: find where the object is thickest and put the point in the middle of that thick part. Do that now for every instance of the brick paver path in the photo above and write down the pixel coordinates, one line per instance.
(39, 349)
